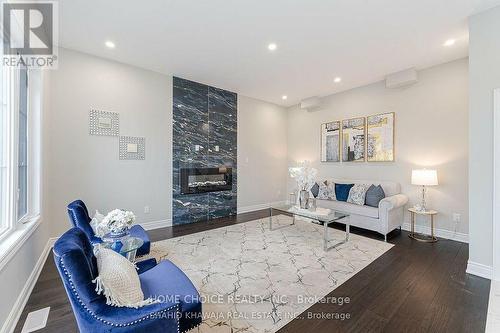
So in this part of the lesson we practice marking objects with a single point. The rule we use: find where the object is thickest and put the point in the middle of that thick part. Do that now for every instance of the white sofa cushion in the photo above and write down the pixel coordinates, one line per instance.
(390, 188)
(351, 208)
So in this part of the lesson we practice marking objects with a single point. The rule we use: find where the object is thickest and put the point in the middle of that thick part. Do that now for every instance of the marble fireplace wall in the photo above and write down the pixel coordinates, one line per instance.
(203, 117)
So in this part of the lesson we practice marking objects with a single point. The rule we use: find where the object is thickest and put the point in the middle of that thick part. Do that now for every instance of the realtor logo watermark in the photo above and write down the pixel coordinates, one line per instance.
(29, 32)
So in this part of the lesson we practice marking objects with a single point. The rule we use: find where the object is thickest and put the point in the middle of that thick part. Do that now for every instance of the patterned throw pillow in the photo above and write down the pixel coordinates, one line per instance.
(357, 194)
(118, 280)
(326, 190)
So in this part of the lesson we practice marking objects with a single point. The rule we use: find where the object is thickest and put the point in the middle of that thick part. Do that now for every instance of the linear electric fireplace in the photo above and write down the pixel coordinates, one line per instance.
(203, 180)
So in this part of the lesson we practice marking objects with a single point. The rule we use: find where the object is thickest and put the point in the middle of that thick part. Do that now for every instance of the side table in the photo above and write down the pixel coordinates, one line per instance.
(126, 246)
(420, 237)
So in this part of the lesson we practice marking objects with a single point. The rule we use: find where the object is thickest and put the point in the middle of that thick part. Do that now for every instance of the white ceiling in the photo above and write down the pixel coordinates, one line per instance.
(224, 42)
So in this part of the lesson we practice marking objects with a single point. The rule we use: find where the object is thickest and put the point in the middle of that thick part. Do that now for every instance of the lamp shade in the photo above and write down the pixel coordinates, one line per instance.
(424, 177)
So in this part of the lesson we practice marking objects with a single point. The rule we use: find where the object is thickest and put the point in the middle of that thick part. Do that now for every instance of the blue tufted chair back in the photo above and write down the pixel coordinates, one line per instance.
(79, 217)
(77, 266)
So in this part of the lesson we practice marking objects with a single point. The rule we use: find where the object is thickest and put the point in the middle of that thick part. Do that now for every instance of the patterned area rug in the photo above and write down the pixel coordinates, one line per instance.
(252, 279)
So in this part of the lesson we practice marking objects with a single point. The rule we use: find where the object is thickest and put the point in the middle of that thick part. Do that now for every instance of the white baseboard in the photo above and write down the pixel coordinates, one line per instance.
(480, 270)
(156, 224)
(443, 233)
(247, 209)
(24, 295)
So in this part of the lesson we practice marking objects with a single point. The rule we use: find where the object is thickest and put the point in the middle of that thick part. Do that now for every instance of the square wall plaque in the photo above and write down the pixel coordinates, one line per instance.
(132, 148)
(104, 123)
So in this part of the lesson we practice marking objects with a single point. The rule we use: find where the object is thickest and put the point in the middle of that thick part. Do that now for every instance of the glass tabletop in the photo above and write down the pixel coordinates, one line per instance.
(321, 214)
(129, 244)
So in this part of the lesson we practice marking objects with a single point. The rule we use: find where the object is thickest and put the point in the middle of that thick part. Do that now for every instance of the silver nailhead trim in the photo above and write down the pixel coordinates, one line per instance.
(105, 321)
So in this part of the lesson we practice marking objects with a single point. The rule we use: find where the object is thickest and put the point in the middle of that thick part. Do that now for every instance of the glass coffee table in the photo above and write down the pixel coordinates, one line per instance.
(320, 216)
(126, 246)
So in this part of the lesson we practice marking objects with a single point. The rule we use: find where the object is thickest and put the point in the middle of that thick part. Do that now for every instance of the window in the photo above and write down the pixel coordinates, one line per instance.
(19, 147)
(22, 147)
(3, 149)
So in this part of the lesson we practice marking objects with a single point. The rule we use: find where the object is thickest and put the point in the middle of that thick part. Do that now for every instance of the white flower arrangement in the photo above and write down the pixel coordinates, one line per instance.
(304, 175)
(119, 220)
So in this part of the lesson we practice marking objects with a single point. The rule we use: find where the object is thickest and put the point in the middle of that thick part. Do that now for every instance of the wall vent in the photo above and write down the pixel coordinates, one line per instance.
(311, 104)
(401, 79)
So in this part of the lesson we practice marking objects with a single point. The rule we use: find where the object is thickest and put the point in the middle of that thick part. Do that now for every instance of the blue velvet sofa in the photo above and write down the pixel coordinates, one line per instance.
(178, 311)
(80, 218)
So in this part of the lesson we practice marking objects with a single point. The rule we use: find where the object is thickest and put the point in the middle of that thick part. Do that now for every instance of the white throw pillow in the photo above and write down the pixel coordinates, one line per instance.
(357, 194)
(96, 224)
(326, 190)
(118, 280)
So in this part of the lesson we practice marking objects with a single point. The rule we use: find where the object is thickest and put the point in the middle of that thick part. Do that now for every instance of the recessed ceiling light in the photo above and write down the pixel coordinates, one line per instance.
(337, 79)
(284, 97)
(109, 44)
(449, 42)
(272, 47)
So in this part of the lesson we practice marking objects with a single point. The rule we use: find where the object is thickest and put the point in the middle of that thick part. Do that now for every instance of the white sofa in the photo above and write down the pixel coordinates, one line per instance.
(387, 217)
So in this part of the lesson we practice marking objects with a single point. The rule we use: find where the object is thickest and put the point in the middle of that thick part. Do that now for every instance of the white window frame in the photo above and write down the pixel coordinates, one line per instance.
(7, 74)
(496, 186)
(32, 215)
(16, 233)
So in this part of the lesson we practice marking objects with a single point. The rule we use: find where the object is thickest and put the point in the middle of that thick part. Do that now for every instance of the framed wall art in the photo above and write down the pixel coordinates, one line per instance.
(330, 142)
(353, 140)
(380, 137)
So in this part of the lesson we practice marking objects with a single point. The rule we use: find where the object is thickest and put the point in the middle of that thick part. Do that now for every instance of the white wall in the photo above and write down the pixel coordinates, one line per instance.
(484, 76)
(87, 167)
(262, 151)
(431, 131)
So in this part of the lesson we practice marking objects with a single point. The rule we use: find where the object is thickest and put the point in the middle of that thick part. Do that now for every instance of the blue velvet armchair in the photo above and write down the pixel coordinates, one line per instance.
(80, 218)
(179, 309)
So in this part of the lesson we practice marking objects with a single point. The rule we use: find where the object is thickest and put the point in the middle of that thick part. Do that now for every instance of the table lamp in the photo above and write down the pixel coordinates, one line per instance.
(423, 177)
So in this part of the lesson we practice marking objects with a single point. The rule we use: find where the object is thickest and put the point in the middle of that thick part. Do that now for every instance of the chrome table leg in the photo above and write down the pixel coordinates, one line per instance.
(325, 236)
(347, 231)
(270, 218)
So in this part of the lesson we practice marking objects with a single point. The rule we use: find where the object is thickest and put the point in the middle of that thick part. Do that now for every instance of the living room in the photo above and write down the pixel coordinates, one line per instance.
(273, 166)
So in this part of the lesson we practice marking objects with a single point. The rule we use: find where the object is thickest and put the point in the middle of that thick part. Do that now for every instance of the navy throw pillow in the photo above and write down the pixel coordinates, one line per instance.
(315, 190)
(342, 191)
(374, 195)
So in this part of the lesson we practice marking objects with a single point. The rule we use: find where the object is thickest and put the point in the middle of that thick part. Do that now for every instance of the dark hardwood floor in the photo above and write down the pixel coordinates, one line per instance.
(414, 287)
